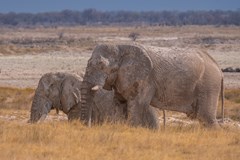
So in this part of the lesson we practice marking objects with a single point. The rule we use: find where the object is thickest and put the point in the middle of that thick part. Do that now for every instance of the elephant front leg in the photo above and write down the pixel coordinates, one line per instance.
(140, 113)
(135, 112)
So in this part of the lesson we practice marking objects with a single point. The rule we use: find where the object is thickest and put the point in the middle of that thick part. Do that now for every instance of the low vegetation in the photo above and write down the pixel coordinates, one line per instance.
(232, 98)
(15, 98)
(63, 140)
(133, 36)
(46, 44)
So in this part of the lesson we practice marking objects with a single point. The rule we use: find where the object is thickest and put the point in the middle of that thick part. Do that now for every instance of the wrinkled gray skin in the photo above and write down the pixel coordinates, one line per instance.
(104, 106)
(90, 98)
(93, 77)
(176, 80)
(60, 91)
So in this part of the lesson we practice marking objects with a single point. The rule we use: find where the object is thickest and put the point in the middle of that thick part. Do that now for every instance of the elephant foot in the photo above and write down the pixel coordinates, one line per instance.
(146, 122)
(210, 123)
(192, 115)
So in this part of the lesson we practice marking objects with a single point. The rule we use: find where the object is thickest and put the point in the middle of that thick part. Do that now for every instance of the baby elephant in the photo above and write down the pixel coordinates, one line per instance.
(61, 91)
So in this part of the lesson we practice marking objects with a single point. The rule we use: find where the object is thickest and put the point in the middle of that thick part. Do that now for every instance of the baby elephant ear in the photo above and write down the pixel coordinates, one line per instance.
(136, 64)
(70, 94)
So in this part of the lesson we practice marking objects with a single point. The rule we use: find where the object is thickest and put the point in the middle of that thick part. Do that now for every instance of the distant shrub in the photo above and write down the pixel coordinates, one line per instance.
(133, 35)
(230, 69)
(60, 35)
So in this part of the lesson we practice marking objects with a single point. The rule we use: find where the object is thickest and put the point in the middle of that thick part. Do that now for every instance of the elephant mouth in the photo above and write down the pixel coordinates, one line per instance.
(74, 112)
(107, 87)
(110, 81)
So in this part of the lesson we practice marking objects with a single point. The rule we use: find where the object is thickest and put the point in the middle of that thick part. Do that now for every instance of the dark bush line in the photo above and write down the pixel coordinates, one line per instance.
(95, 17)
(230, 69)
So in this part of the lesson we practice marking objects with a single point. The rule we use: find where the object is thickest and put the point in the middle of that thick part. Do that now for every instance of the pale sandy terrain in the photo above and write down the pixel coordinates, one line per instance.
(25, 70)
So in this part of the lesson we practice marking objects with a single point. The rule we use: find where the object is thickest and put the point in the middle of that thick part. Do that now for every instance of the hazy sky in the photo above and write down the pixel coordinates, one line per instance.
(111, 5)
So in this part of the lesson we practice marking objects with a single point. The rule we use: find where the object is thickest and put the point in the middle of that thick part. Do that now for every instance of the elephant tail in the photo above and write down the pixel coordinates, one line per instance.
(222, 99)
(164, 119)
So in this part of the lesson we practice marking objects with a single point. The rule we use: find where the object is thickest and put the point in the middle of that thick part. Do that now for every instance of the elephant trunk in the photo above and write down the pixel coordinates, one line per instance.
(40, 108)
(74, 113)
(91, 78)
(86, 103)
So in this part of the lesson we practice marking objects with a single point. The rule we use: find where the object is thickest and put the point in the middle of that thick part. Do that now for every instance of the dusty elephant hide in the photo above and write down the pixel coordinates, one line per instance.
(182, 80)
(61, 91)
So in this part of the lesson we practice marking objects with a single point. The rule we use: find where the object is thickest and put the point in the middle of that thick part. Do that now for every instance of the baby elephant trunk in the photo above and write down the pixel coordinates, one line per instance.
(40, 108)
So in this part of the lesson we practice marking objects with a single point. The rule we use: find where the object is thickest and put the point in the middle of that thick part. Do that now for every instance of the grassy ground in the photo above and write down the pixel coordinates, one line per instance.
(15, 98)
(232, 103)
(63, 140)
(73, 141)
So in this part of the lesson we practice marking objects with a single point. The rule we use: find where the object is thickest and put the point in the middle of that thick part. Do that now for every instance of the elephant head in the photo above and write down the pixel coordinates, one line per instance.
(58, 91)
(98, 66)
(104, 68)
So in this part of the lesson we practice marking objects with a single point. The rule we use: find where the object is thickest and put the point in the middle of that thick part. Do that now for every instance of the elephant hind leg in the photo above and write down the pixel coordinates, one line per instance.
(194, 111)
(207, 109)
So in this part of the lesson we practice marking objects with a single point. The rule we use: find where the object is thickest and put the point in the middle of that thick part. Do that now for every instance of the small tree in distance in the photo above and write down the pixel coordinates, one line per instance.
(60, 35)
(133, 35)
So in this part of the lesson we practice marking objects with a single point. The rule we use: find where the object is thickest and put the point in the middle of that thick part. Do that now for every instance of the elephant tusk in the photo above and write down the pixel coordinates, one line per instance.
(78, 91)
(95, 88)
(76, 97)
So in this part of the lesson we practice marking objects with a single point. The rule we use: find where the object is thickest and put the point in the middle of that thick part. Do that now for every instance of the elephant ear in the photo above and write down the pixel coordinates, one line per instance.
(70, 94)
(135, 64)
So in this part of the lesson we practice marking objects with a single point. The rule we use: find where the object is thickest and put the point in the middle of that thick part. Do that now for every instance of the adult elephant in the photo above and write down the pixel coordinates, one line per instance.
(177, 80)
(93, 96)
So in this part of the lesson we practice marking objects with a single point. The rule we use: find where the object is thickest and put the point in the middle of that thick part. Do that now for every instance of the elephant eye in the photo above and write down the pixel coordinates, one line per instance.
(101, 65)
(100, 62)
(51, 85)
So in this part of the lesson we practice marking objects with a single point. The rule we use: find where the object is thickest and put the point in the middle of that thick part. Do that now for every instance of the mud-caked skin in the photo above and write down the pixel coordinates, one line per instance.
(171, 79)
(98, 100)
(60, 91)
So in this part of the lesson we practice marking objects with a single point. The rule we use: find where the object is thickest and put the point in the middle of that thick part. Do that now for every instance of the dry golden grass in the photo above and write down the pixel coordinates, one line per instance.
(232, 103)
(63, 140)
(16, 98)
